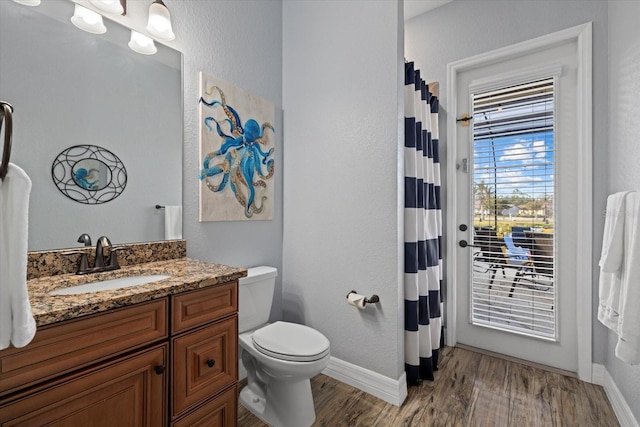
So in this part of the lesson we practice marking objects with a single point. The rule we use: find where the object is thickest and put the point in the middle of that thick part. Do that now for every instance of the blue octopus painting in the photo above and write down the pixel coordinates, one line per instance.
(240, 163)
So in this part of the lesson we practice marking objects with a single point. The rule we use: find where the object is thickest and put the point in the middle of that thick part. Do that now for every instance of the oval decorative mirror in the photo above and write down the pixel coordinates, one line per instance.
(89, 174)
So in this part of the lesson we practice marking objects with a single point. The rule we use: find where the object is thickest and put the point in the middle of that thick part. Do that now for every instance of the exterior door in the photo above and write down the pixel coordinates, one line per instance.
(516, 206)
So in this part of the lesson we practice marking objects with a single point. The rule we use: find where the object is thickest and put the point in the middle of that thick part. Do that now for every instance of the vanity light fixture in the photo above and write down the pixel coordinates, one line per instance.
(159, 24)
(142, 44)
(111, 6)
(88, 20)
(28, 2)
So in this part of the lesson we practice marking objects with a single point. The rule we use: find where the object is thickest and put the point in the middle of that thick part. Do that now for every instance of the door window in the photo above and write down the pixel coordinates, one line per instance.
(513, 280)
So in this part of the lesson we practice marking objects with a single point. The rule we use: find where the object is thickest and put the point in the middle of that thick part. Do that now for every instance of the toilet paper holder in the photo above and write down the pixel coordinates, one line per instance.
(372, 300)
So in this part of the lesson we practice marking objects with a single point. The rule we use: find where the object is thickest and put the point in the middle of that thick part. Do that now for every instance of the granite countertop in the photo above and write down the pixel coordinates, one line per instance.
(186, 274)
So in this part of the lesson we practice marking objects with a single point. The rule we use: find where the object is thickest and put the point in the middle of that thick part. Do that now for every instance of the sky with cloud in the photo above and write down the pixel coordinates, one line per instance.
(524, 162)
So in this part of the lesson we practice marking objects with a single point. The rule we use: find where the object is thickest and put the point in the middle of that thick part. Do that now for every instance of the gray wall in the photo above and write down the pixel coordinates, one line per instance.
(624, 150)
(342, 84)
(239, 42)
(461, 29)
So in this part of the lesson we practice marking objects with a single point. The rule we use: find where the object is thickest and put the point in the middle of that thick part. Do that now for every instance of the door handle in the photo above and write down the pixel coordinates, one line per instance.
(464, 244)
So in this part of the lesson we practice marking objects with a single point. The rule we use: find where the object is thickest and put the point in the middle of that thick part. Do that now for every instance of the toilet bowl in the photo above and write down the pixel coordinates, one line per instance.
(280, 358)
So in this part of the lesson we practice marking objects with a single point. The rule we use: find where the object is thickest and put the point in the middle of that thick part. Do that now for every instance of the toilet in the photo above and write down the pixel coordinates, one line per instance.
(279, 358)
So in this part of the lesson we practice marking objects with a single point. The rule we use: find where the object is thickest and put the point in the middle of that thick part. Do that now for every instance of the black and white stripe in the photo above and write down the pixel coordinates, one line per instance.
(422, 230)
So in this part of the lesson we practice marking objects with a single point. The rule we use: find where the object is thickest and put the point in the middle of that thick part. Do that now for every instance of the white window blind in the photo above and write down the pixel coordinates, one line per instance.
(513, 285)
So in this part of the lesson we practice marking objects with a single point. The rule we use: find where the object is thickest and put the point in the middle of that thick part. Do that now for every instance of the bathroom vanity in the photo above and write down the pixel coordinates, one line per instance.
(162, 353)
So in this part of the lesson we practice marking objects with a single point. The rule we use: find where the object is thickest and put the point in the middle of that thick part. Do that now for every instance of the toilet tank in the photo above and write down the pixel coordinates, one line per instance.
(255, 297)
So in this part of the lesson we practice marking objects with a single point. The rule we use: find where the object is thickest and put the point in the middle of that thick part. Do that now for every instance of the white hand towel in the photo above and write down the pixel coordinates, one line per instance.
(628, 347)
(17, 325)
(611, 261)
(173, 222)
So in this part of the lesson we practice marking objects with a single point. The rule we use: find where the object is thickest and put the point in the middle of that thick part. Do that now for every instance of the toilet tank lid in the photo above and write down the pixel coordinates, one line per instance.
(259, 273)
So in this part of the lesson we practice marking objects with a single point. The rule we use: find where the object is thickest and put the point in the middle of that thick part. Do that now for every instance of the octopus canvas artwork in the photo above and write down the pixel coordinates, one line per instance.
(236, 153)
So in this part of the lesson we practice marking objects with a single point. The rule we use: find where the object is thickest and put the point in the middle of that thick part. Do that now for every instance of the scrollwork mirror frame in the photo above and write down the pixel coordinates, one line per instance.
(62, 173)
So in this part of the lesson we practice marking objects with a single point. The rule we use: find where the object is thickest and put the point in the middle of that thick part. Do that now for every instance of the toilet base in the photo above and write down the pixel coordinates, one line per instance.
(286, 404)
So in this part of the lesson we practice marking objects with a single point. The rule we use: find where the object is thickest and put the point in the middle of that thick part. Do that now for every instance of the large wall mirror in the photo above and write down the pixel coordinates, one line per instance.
(70, 88)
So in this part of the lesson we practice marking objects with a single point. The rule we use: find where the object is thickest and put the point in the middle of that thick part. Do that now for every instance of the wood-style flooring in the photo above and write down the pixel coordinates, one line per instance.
(470, 389)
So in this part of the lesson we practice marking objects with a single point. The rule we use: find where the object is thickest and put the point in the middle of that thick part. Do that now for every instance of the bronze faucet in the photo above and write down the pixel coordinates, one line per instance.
(102, 262)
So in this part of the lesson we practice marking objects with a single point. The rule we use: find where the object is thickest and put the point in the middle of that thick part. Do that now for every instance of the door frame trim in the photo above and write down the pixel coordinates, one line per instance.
(582, 35)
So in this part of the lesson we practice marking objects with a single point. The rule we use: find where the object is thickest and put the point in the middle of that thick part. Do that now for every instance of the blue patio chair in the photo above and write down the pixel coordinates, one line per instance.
(519, 236)
(516, 255)
(539, 274)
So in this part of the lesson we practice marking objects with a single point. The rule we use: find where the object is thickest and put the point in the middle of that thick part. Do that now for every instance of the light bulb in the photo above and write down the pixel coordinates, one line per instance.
(159, 23)
(88, 20)
(108, 6)
(142, 44)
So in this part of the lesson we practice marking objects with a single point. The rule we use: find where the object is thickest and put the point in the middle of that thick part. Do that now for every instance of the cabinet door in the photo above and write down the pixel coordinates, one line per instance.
(128, 392)
(205, 361)
(219, 412)
(68, 346)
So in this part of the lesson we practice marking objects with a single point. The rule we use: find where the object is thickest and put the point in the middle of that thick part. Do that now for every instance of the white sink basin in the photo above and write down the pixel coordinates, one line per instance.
(108, 285)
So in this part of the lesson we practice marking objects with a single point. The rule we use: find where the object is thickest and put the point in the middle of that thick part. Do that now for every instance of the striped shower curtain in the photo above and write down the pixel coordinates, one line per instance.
(422, 230)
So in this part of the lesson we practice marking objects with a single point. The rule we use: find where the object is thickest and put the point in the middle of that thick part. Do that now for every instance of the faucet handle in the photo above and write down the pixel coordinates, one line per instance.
(83, 262)
(113, 258)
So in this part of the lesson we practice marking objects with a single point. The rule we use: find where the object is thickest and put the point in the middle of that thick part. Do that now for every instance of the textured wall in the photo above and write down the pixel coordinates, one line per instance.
(461, 29)
(241, 43)
(624, 150)
(341, 89)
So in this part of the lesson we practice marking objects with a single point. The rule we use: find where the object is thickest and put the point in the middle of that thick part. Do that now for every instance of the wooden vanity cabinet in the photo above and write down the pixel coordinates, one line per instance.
(171, 361)
(129, 391)
(205, 357)
(67, 346)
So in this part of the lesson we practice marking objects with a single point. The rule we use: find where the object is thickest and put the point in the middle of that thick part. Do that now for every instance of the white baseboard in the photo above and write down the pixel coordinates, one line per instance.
(380, 386)
(601, 376)
(392, 391)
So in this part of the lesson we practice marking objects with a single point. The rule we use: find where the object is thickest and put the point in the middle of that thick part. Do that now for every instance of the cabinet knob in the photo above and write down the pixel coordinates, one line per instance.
(160, 369)
(211, 363)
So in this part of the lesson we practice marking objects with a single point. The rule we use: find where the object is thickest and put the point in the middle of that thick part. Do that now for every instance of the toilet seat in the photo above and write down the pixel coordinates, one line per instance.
(291, 341)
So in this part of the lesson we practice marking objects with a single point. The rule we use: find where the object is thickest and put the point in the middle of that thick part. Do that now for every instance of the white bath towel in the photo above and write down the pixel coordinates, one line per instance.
(628, 347)
(613, 238)
(17, 325)
(611, 261)
(173, 222)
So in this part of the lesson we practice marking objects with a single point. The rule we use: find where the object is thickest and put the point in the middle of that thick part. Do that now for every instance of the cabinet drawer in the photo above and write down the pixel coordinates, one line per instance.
(129, 391)
(73, 344)
(192, 309)
(205, 361)
(219, 412)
